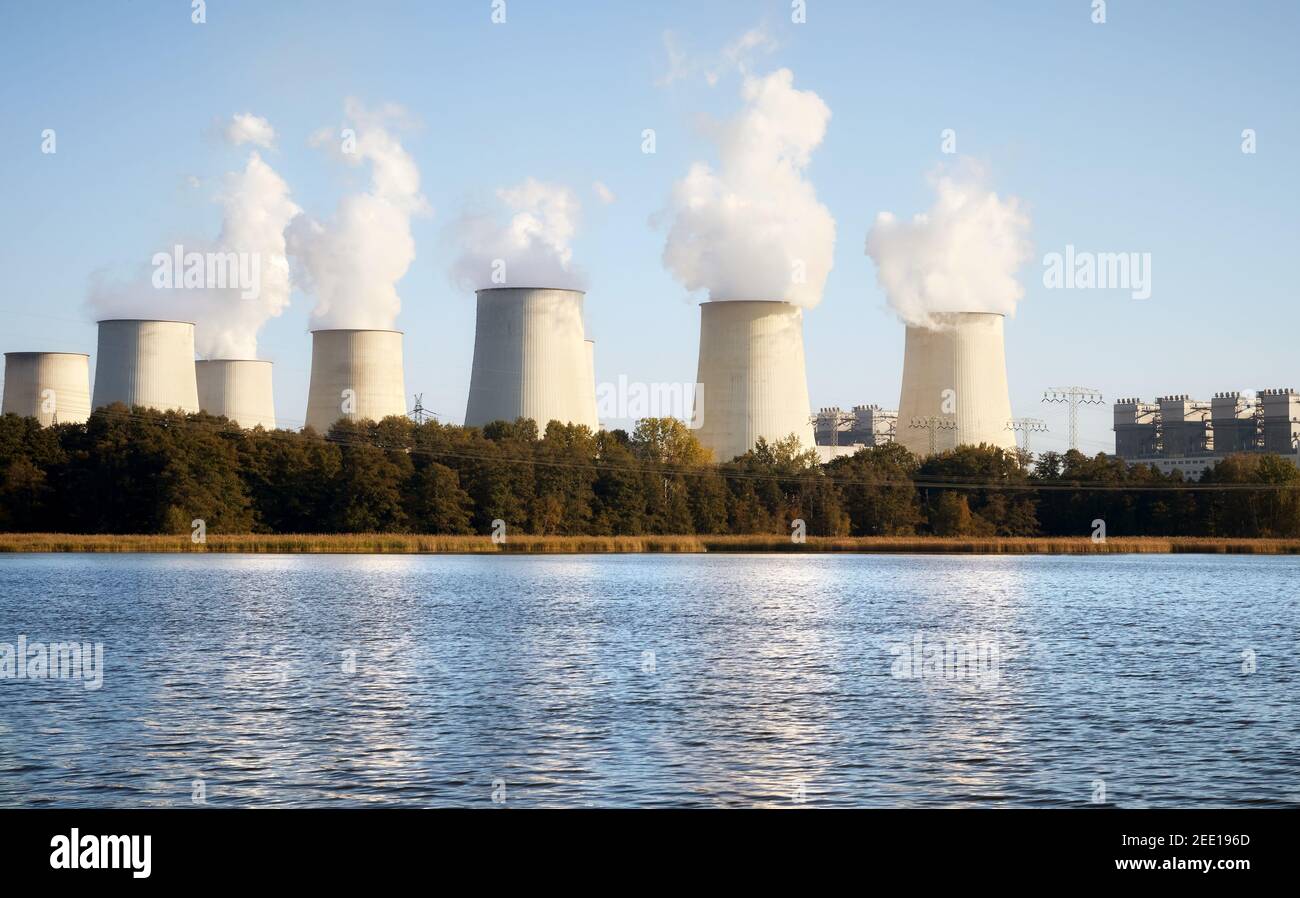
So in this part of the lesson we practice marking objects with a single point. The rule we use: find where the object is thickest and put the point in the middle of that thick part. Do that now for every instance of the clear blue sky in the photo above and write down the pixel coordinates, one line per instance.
(1119, 137)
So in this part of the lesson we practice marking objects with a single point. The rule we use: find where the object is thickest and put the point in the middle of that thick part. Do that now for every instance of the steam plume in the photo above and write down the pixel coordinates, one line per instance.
(524, 242)
(244, 127)
(352, 262)
(961, 256)
(228, 314)
(753, 229)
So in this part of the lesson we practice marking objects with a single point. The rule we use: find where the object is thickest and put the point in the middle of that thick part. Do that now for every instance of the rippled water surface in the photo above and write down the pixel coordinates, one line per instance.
(656, 680)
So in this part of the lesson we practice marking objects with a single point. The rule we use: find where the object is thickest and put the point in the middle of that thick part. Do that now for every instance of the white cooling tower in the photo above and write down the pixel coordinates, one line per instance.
(592, 415)
(147, 363)
(752, 379)
(53, 387)
(531, 359)
(955, 384)
(238, 389)
(355, 374)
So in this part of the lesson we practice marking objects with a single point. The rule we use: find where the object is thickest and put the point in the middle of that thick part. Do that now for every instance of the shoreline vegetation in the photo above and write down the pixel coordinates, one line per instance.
(154, 478)
(419, 544)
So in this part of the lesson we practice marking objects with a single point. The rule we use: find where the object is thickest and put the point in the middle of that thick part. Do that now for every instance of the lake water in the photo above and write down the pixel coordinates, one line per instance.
(655, 680)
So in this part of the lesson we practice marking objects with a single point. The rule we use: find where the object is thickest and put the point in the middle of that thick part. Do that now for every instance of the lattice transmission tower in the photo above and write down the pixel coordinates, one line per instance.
(1074, 397)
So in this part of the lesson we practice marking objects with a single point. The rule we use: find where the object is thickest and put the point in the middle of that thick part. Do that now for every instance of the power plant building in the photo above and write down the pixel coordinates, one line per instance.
(751, 378)
(1233, 427)
(53, 387)
(1280, 414)
(1178, 433)
(531, 358)
(838, 432)
(1135, 428)
(149, 363)
(238, 389)
(955, 385)
(355, 374)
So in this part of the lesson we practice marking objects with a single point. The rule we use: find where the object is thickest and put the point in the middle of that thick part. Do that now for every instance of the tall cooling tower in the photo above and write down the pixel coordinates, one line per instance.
(53, 387)
(148, 363)
(355, 374)
(955, 384)
(590, 346)
(239, 389)
(531, 359)
(752, 379)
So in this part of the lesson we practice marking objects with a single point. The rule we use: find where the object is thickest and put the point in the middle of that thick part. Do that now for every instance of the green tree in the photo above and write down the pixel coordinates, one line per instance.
(877, 490)
(996, 490)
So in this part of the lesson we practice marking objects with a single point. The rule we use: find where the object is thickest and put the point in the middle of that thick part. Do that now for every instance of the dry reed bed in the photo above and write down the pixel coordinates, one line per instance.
(391, 543)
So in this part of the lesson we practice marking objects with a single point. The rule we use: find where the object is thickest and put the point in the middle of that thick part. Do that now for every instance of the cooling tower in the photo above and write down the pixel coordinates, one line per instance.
(955, 384)
(355, 374)
(531, 359)
(590, 346)
(148, 363)
(53, 387)
(752, 381)
(238, 389)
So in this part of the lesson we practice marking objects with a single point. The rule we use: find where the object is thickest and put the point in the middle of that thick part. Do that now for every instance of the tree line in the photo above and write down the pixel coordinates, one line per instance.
(144, 471)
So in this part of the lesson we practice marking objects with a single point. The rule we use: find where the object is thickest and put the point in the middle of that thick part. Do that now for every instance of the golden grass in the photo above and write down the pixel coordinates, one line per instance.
(401, 543)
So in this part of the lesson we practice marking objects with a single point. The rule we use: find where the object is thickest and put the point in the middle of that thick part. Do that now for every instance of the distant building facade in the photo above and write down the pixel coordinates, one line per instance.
(1178, 433)
(839, 433)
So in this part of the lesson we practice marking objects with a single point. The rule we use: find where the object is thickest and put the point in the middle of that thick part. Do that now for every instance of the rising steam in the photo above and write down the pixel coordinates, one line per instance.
(961, 256)
(352, 262)
(524, 241)
(229, 313)
(753, 229)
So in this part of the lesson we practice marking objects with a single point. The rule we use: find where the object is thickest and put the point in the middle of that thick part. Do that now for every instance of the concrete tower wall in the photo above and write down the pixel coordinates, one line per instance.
(355, 374)
(147, 363)
(956, 376)
(53, 387)
(239, 389)
(752, 376)
(531, 359)
(592, 416)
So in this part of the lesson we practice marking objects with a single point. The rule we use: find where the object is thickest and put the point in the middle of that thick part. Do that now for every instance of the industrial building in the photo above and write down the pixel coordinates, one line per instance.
(751, 376)
(355, 374)
(531, 358)
(238, 389)
(838, 432)
(52, 387)
(1189, 435)
(955, 385)
(147, 363)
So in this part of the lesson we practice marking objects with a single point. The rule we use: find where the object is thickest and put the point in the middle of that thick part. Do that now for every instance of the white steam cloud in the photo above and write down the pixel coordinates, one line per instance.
(753, 229)
(352, 262)
(229, 286)
(244, 127)
(961, 256)
(526, 241)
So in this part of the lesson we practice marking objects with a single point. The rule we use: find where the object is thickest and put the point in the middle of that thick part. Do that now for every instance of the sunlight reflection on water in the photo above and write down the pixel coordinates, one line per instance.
(653, 680)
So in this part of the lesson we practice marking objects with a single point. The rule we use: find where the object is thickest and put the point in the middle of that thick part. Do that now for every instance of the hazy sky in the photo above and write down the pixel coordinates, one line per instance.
(1116, 137)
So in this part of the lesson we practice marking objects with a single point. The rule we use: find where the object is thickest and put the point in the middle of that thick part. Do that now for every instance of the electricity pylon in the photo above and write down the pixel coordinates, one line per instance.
(935, 423)
(1027, 426)
(837, 418)
(420, 414)
(1075, 397)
